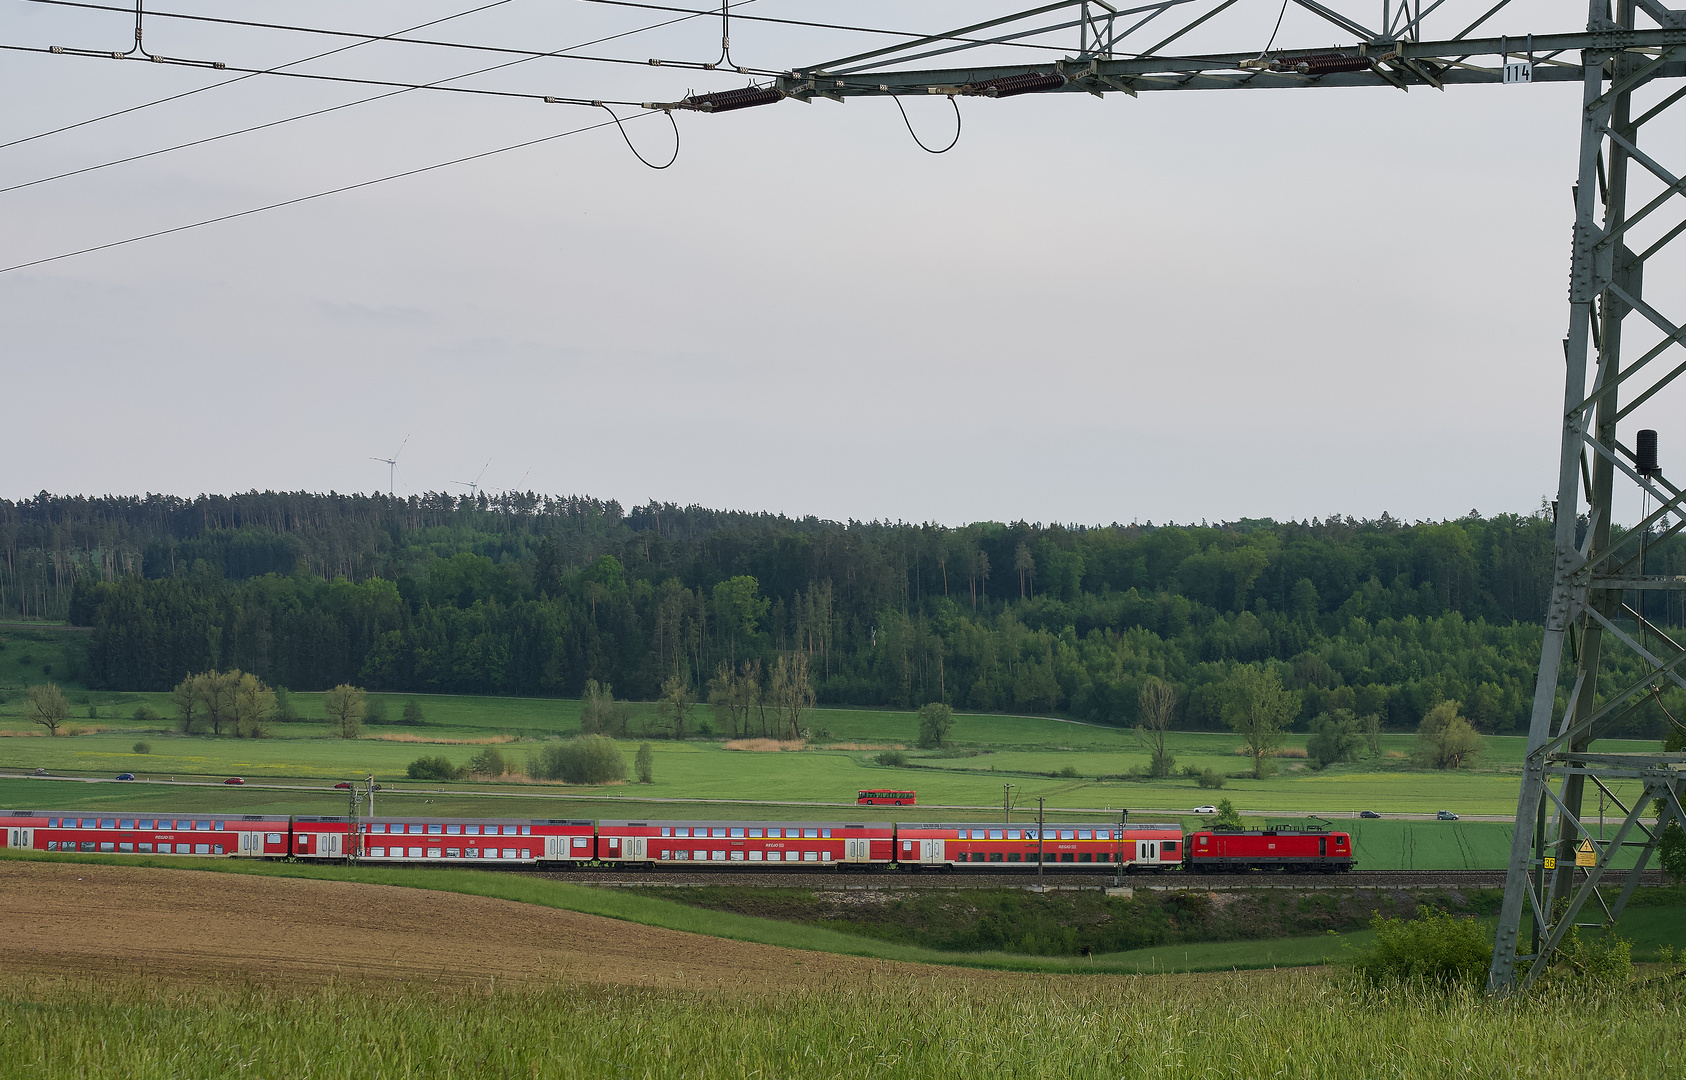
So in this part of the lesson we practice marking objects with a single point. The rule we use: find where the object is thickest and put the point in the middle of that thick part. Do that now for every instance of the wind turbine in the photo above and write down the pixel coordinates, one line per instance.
(391, 464)
(474, 488)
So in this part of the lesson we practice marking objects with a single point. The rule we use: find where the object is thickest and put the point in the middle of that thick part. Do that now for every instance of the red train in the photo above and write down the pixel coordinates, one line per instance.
(561, 843)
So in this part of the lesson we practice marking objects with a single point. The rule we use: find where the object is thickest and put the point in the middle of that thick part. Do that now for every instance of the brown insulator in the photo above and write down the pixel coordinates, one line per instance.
(727, 100)
(1329, 64)
(1012, 85)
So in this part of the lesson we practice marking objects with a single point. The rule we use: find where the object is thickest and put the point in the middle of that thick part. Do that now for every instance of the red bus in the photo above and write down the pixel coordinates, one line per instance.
(886, 798)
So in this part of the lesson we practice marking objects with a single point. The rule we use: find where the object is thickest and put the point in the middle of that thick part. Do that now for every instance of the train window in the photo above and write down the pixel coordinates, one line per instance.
(717, 856)
(86, 845)
(526, 830)
(508, 830)
(699, 856)
(144, 823)
(907, 845)
(52, 823)
(106, 845)
(126, 823)
(416, 830)
(995, 834)
(715, 832)
(1085, 834)
(775, 833)
(614, 841)
(125, 847)
(755, 832)
(667, 830)
(582, 841)
(755, 856)
(826, 833)
(979, 834)
(378, 852)
(52, 845)
(1086, 857)
(146, 848)
(995, 856)
(810, 856)
(1012, 834)
(1068, 856)
(471, 830)
(218, 827)
(1103, 834)
(681, 832)
(1013, 856)
(471, 853)
(108, 823)
(737, 831)
(201, 849)
(217, 850)
(205, 825)
(433, 853)
(509, 853)
(1067, 834)
(1169, 847)
(667, 854)
(435, 830)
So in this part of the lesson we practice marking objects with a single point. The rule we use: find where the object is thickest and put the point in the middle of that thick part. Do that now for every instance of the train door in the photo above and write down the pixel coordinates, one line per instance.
(855, 851)
(555, 847)
(328, 845)
(1323, 846)
(1147, 851)
(251, 843)
(930, 851)
(633, 848)
(22, 838)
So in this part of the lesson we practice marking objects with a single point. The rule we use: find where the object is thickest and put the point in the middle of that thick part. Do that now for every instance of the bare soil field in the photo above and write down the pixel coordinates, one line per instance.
(81, 922)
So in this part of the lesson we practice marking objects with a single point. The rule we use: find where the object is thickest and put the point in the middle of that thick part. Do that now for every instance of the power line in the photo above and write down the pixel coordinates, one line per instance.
(309, 198)
(241, 78)
(362, 101)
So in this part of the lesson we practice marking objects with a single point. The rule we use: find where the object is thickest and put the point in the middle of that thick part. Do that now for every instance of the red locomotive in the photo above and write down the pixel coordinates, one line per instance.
(1294, 849)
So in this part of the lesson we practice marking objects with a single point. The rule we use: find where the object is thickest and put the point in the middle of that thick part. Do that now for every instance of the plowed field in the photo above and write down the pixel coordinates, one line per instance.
(87, 921)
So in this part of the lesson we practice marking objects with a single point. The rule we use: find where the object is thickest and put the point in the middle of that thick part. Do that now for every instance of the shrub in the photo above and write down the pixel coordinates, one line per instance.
(585, 759)
(645, 764)
(1068, 772)
(434, 768)
(488, 762)
(1602, 962)
(374, 710)
(891, 757)
(93, 712)
(1228, 816)
(412, 714)
(146, 714)
(1436, 947)
(143, 748)
(1210, 779)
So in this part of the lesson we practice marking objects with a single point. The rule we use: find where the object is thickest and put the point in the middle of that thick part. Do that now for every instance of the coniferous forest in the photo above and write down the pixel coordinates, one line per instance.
(530, 595)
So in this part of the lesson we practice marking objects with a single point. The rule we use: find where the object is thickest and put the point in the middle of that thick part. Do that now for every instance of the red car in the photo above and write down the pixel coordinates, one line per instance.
(234, 780)
(343, 785)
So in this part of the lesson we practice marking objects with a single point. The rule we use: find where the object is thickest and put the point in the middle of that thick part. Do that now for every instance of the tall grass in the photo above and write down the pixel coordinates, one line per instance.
(1299, 1026)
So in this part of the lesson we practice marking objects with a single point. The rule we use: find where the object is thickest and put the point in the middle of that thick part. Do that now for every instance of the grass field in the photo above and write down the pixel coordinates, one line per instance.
(1304, 1025)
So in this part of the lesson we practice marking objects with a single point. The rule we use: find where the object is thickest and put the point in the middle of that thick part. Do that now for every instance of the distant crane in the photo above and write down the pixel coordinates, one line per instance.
(474, 486)
(391, 464)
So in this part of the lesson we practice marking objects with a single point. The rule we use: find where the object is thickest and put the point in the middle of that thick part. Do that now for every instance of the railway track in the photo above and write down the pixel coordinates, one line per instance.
(617, 878)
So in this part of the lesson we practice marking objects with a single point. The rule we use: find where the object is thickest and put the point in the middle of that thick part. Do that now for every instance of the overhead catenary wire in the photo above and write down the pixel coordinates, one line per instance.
(244, 77)
(361, 101)
(311, 197)
(634, 149)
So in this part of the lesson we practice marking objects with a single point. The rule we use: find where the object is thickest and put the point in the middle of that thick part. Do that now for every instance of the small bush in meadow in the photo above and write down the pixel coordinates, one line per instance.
(434, 768)
(143, 748)
(891, 758)
(1436, 948)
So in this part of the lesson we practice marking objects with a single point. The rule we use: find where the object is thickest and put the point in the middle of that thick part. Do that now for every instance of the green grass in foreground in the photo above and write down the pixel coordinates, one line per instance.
(1301, 1025)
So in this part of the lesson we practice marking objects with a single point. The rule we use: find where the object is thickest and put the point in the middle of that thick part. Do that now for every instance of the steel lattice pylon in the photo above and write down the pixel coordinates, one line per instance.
(1620, 58)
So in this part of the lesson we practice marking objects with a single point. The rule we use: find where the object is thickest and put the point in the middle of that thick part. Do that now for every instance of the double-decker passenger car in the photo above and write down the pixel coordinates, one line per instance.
(148, 834)
(1283, 848)
(483, 840)
(1066, 845)
(812, 843)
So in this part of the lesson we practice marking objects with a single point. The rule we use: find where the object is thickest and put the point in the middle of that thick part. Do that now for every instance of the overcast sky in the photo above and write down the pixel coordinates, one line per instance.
(1180, 306)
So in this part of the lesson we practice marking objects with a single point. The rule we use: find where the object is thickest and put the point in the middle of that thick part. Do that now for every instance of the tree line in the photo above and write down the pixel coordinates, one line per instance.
(530, 595)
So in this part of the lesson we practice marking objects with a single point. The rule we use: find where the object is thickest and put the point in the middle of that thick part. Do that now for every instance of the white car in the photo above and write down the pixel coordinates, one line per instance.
(1205, 809)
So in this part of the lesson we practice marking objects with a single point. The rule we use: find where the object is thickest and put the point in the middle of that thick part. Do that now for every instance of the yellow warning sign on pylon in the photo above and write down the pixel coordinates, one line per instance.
(1551, 862)
(1585, 856)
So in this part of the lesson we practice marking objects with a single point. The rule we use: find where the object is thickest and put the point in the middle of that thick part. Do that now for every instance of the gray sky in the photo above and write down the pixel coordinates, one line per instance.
(1183, 306)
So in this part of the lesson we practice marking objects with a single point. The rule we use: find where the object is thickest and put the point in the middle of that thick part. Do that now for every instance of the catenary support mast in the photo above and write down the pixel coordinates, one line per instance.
(1628, 212)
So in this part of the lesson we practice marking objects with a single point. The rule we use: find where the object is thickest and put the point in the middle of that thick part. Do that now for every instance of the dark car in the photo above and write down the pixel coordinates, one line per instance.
(1368, 813)
(343, 785)
(125, 776)
(1445, 815)
(234, 780)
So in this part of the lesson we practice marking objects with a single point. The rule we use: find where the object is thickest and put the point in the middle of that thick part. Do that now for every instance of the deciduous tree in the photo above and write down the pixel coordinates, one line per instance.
(791, 691)
(936, 720)
(252, 705)
(645, 764)
(345, 704)
(1445, 740)
(1258, 709)
(48, 707)
(675, 704)
(1335, 737)
(1157, 701)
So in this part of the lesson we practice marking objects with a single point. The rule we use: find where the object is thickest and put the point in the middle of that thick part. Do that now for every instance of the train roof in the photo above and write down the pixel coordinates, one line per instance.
(151, 815)
(651, 823)
(1128, 827)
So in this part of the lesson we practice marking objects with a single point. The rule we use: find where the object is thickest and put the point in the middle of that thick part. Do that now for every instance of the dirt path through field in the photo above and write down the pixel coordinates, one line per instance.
(79, 921)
